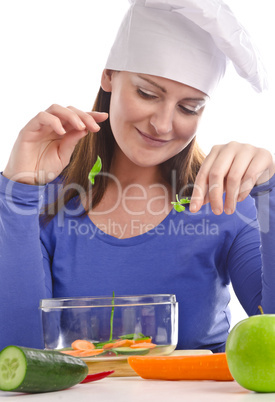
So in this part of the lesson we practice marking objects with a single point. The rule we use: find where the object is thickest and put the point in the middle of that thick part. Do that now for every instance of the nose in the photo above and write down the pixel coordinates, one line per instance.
(162, 120)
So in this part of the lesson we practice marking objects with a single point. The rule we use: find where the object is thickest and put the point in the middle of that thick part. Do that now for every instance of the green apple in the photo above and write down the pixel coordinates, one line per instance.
(250, 352)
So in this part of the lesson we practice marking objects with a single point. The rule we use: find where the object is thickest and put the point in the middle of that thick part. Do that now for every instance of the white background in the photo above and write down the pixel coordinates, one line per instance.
(53, 51)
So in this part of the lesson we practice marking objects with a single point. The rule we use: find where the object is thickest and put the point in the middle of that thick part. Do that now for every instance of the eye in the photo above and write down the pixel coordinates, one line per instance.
(188, 111)
(146, 95)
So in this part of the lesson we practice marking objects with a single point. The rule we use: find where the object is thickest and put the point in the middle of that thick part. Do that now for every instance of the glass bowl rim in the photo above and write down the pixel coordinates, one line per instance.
(110, 301)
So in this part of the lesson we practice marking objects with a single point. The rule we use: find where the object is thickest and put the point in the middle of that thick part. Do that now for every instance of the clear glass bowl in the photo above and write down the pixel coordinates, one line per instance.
(99, 319)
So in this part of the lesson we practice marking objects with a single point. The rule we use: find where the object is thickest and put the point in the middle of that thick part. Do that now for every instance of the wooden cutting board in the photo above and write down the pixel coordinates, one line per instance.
(121, 366)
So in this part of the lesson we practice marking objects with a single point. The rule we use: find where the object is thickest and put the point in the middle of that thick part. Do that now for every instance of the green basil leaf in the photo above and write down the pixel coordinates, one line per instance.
(95, 170)
(127, 336)
(185, 201)
(179, 208)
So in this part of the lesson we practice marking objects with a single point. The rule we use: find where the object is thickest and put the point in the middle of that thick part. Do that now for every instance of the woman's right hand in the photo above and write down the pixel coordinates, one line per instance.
(45, 145)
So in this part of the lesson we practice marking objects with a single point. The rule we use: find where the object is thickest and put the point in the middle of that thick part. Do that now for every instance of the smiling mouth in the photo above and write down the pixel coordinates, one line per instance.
(152, 140)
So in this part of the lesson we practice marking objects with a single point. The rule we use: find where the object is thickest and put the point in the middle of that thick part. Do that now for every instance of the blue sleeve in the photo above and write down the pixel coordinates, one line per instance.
(251, 260)
(24, 265)
(264, 196)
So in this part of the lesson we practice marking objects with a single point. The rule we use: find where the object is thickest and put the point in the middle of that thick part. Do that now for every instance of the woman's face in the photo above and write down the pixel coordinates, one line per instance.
(152, 118)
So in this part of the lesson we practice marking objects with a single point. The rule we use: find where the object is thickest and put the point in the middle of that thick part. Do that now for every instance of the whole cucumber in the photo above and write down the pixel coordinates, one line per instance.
(34, 370)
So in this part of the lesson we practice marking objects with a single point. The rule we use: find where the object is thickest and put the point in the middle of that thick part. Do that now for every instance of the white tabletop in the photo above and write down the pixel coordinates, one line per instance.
(135, 389)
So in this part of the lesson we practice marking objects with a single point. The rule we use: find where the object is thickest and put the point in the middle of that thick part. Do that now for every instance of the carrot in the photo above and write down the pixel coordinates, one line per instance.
(81, 344)
(83, 353)
(145, 340)
(118, 344)
(196, 367)
(143, 345)
(108, 345)
(91, 352)
(72, 352)
(123, 342)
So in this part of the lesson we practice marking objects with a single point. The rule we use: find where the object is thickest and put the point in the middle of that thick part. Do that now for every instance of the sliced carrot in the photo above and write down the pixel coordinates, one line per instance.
(83, 353)
(108, 346)
(143, 345)
(72, 352)
(196, 367)
(81, 344)
(87, 353)
(124, 343)
(146, 340)
(118, 344)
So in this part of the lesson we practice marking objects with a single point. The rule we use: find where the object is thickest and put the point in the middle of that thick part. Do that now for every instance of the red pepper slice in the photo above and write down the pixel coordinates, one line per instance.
(97, 376)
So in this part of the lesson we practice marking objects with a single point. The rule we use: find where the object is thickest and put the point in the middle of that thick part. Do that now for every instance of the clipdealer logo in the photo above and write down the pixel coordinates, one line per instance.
(38, 194)
(135, 228)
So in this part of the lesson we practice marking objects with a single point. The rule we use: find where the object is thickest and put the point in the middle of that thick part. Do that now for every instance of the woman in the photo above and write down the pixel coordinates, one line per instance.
(161, 71)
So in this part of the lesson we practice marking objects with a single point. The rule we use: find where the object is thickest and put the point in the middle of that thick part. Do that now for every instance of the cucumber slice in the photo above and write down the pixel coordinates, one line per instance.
(34, 370)
(130, 351)
(107, 353)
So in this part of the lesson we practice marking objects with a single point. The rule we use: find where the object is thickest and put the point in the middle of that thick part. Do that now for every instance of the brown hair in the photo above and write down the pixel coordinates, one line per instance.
(185, 165)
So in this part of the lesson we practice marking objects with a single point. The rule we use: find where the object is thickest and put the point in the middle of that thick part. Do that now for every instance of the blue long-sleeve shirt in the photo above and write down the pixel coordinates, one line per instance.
(194, 256)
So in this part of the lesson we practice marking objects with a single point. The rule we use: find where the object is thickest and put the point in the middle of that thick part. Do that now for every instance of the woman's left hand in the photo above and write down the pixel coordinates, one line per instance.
(232, 168)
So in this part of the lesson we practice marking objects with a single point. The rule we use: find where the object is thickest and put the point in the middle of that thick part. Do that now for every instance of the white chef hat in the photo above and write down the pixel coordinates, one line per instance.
(189, 41)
